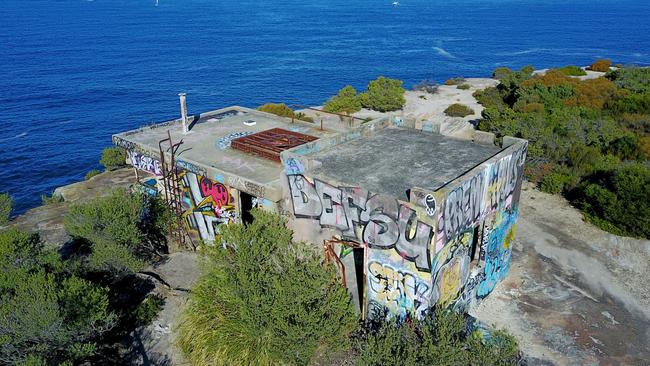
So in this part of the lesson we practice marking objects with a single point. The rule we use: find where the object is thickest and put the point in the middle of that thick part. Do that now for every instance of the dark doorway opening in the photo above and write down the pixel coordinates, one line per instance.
(358, 270)
(246, 207)
(476, 246)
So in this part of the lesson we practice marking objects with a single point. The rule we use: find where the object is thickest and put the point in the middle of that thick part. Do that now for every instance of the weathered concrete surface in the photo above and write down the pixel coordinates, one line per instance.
(47, 220)
(393, 161)
(96, 186)
(155, 344)
(575, 295)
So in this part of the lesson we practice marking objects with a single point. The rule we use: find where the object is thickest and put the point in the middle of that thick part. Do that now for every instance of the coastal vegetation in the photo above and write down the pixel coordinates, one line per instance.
(264, 300)
(282, 110)
(427, 86)
(383, 95)
(113, 158)
(458, 110)
(601, 65)
(463, 86)
(6, 205)
(443, 337)
(120, 232)
(572, 70)
(51, 199)
(91, 173)
(455, 81)
(589, 139)
(345, 101)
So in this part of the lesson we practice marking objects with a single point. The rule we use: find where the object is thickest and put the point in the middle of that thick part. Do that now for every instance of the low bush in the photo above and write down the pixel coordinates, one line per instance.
(91, 174)
(345, 101)
(384, 95)
(438, 339)
(48, 200)
(6, 205)
(148, 310)
(113, 158)
(282, 110)
(463, 86)
(123, 230)
(634, 79)
(455, 81)
(617, 199)
(48, 315)
(601, 65)
(264, 300)
(458, 110)
(572, 70)
(501, 72)
(427, 86)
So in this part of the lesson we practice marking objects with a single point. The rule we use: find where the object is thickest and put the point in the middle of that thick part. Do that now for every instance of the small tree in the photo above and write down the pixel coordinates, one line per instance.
(501, 72)
(384, 95)
(345, 101)
(264, 300)
(6, 205)
(458, 110)
(601, 65)
(113, 158)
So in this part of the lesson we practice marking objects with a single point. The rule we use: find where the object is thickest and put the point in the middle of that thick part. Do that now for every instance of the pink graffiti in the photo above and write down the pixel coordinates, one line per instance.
(217, 191)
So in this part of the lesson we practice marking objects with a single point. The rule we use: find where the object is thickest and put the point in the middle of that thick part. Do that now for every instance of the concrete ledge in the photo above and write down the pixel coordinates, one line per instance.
(483, 137)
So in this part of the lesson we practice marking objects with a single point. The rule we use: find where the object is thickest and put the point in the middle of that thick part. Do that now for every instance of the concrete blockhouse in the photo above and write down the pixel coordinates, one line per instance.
(411, 218)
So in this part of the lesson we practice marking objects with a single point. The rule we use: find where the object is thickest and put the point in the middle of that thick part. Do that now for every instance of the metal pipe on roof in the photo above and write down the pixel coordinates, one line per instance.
(183, 111)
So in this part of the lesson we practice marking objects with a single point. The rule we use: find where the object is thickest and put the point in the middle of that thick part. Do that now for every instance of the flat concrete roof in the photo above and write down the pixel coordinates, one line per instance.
(207, 143)
(393, 160)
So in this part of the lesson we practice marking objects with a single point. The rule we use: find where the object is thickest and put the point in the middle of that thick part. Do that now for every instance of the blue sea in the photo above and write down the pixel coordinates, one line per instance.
(74, 72)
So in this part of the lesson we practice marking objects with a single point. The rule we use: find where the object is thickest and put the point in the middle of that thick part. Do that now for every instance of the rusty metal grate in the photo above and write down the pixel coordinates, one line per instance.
(270, 143)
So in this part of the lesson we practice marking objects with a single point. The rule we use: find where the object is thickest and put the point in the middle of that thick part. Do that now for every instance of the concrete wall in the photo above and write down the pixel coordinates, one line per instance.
(419, 253)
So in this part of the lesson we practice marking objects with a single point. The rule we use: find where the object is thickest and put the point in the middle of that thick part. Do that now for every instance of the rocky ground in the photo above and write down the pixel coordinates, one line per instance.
(575, 295)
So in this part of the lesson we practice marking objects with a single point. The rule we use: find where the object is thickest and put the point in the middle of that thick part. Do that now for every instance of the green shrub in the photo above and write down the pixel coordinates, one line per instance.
(48, 200)
(148, 310)
(91, 174)
(463, 86)
(455, 81)
(618, 199)
(601, 65)
(427, 86)
(458, 110)
(123, 229)
(528, 70)
(501, 72)
(555, 182)
(346, 101)
(47, 314)
(264, 300)
(572, 70)
(6, 205)
(384, 95)
(581, 133)
(282, 110)
(634, 79)
(441, 339)
(113, 158)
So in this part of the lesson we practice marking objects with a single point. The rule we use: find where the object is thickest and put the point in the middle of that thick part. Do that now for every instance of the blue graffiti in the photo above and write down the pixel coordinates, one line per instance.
(293, 167)
(498, 252)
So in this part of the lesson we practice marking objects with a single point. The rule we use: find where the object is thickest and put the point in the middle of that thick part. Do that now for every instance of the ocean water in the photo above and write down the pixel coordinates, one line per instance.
(74, 72)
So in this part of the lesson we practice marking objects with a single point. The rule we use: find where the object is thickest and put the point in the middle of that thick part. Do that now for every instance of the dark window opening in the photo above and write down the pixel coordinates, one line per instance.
(246, 207)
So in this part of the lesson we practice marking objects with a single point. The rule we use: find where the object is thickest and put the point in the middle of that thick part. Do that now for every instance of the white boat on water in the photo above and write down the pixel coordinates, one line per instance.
(395, 3)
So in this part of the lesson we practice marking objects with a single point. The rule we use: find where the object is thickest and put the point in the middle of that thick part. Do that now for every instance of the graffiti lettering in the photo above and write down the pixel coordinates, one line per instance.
(399, 290)
(145, 163)
(385, 223)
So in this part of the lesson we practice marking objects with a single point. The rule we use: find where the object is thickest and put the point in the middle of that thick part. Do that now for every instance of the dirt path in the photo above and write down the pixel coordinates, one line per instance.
(575, 295)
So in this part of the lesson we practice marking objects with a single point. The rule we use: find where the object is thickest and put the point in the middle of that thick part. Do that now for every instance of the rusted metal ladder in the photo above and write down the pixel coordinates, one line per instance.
(173, 194)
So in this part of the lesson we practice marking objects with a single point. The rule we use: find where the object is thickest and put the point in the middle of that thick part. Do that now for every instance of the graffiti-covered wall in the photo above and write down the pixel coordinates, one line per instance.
(448, 247)
(206, 205)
